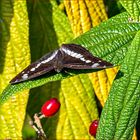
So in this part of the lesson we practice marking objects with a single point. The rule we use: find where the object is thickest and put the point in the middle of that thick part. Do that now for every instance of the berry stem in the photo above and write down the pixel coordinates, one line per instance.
(38, 127)
(41, 116)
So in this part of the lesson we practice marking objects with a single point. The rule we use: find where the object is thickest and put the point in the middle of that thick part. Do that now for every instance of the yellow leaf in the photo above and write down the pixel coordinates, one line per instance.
(15, 56)
(78, 108)
(135, 135)
(102, 82)
(84, 14)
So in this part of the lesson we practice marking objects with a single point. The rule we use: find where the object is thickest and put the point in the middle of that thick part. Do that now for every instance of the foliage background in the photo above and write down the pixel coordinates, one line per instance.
(29, 29)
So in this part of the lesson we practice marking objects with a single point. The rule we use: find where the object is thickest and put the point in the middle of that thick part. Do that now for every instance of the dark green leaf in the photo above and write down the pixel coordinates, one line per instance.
(120, 113)
(109, 41)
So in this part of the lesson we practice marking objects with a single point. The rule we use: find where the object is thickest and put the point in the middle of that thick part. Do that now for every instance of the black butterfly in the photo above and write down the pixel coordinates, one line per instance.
(70, 56)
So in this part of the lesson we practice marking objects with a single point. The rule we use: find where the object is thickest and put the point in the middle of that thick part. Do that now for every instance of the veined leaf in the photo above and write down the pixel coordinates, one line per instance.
(110, 40)
(102, 82)
(133, 8)
(79, 108)
(14, 56)
(61, 25)
(120, 113)
(84, 14)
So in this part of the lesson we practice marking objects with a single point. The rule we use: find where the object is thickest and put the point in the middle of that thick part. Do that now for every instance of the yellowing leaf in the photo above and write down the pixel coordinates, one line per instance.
(135, 135)
(15, 56)
(102, 82)
(84, 14)
(78, 109)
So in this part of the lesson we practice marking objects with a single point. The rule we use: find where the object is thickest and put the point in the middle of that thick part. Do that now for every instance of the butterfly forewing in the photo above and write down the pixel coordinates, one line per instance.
(40, 67)
(77, 57)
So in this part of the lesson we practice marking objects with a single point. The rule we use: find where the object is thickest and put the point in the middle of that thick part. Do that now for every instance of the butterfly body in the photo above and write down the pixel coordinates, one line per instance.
(69, 56)
(58, 62)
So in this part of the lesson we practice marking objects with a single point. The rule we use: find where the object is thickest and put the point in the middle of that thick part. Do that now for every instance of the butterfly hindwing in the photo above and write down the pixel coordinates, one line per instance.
(40, 67)
(77, 57)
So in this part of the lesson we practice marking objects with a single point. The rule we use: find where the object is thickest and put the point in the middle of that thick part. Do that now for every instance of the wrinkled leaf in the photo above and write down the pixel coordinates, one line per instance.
(133, 8)
(120, 113)
(102, 82)
(84, 14)
(14, 56)
(110, 40)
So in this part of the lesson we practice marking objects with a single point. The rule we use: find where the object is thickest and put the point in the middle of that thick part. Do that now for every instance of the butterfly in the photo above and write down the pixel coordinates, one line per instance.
(69, 56)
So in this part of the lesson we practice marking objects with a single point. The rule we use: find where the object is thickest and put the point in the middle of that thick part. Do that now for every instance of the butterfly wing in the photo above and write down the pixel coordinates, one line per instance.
(40, 67)
(68, 56)
(77, 57)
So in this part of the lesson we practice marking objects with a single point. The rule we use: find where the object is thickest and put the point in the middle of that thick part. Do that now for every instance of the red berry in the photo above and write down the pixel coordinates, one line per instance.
(50, 107)
(93, 128)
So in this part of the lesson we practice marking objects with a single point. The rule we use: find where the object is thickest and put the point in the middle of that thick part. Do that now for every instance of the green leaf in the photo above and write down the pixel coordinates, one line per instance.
(47, 29)
(61, 25)
(117, 8)
(132, 7)
(120, 113)
(109, 41)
